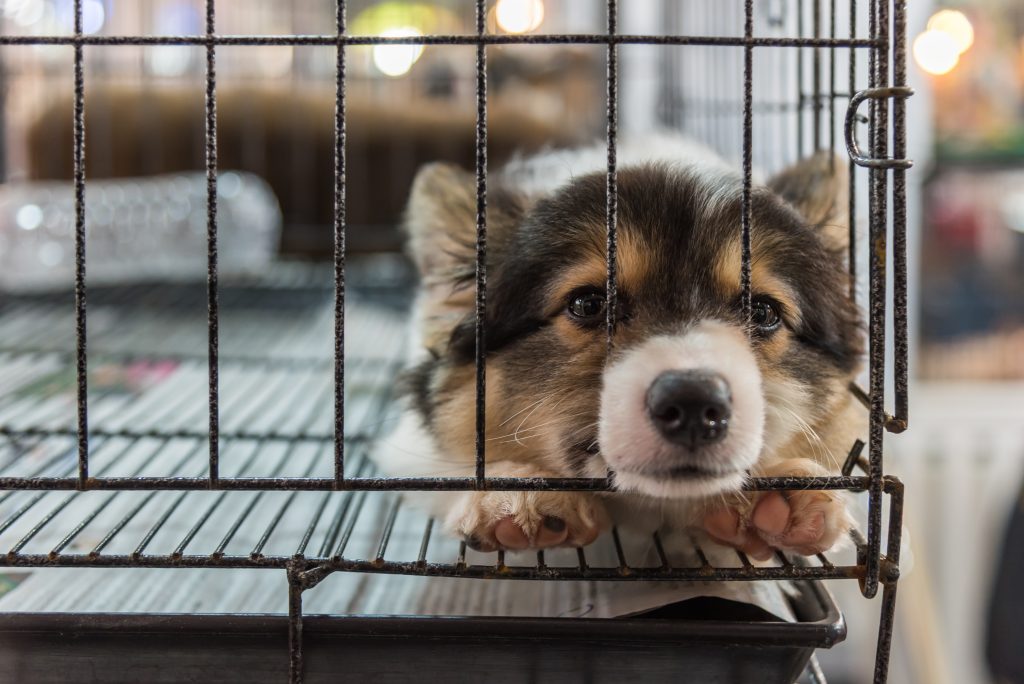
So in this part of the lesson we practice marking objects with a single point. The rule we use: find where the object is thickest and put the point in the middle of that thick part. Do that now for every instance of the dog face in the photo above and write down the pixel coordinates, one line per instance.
(690, 396)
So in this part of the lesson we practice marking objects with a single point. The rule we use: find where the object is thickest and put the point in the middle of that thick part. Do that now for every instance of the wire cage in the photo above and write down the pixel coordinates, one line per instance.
(292, 408)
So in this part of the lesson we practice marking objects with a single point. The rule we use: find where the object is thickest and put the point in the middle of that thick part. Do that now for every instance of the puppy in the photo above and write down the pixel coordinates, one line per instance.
(690, 401)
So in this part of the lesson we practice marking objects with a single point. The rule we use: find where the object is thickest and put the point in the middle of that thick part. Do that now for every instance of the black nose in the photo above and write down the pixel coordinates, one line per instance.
(691, 407)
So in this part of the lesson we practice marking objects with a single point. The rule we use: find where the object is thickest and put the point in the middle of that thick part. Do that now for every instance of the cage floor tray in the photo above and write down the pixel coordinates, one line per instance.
(701, 640)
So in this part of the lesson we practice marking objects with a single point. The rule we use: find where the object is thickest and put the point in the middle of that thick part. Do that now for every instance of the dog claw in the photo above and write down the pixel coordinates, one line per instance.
(554, 524)
(518, 521)
(476, 544)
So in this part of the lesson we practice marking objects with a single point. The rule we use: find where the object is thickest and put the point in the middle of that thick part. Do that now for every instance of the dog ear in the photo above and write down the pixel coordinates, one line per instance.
(818, 188)
(440, 222)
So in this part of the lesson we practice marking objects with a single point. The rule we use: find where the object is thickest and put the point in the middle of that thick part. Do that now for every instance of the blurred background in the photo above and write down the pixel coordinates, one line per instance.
(962, 458)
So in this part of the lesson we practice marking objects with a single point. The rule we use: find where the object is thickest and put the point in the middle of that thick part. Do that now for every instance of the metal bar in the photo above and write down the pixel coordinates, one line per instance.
(421, 557)
(816, 74)
(481, 242)
(701, 556)
(851, 258)
(888, 610)
(339, 248)
(877, 302)
(165, 434)
(800, 81)
(359, 500)
(488, 571)
(213, 310)
(893, 544)
(81, 325)
(899, 218)
(619, 552)
(331, 40)
(852, 457)
(300, 550)
(389, 525)
(581, 560)
(611, 180)
(832, 85)
(883, 646)
(748, 162)
(295, 588)
(3, 120)
(125, 356)
(446, 484)
(332, 531)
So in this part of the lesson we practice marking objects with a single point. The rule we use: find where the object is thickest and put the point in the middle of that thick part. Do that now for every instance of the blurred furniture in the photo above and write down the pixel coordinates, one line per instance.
(286, 135)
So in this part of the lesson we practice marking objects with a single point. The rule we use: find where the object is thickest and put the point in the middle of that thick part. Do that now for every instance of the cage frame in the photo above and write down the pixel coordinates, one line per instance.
(886, 43)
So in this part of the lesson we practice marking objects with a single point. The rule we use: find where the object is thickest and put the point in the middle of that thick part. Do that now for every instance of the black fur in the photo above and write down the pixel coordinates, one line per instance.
(667, 210)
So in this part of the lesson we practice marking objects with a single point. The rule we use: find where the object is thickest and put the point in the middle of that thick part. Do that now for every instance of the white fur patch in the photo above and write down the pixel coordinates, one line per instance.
(542, 174)
(635, 450)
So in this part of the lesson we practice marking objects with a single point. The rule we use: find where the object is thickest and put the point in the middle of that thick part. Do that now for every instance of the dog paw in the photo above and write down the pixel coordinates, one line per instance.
(489, 521)
(798, 521)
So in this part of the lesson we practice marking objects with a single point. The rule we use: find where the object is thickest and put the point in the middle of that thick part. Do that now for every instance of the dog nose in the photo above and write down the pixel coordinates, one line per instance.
(690, 407)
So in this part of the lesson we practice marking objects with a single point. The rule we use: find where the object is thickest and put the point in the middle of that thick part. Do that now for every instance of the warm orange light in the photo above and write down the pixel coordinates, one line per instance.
(397, 59)
(956, 25)
(519, 16)
(936, 52)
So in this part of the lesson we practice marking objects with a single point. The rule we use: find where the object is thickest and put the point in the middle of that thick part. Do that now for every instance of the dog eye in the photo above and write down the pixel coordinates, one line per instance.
(765, 315)
(586, 305)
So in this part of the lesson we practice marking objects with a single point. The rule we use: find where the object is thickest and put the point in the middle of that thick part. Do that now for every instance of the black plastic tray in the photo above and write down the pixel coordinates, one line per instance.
(677, 643)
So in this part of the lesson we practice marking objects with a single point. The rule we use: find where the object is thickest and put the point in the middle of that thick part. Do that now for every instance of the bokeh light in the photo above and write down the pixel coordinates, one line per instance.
(936, 52)
(956, 25)
(24, 12)
(396, 60)
(519, 16)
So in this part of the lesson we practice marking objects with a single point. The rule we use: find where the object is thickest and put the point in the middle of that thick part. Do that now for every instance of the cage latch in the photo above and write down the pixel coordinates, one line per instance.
(850, 131)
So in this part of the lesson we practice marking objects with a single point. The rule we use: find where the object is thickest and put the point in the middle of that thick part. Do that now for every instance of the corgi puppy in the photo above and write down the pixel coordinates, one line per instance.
(691, 399)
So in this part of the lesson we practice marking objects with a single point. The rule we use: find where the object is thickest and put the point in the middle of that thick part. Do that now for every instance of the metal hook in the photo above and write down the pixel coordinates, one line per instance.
(850, 130)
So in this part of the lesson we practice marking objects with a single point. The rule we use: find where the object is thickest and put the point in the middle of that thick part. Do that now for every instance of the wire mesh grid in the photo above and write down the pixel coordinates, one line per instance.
(317, 453)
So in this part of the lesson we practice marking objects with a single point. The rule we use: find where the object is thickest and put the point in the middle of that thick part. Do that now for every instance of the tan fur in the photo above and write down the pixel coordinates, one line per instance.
(762, 279)
(818, 188)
